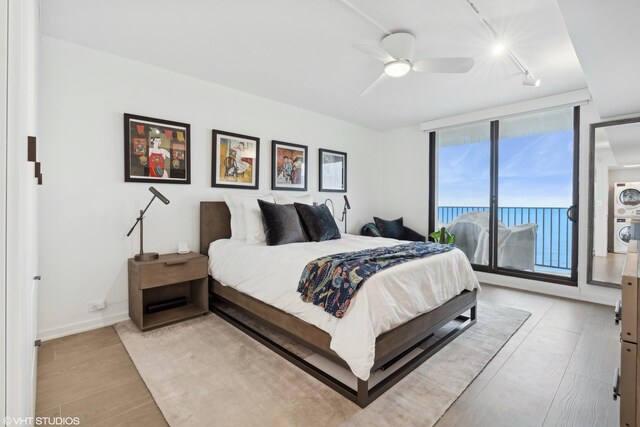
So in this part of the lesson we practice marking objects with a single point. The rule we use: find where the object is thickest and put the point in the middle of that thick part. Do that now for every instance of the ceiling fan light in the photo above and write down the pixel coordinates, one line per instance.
(397, 68)
(530, 80)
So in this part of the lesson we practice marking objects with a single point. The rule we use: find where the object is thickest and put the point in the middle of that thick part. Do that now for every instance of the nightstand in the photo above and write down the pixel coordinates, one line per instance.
(168, 277)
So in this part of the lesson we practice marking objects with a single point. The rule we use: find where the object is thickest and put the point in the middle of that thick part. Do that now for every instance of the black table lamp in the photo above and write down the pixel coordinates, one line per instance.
(347, 206)
(148, 256)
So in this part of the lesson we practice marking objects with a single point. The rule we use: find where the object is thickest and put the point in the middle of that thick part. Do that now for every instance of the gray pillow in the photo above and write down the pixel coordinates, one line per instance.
(281, 224)
(318, 222)
(390, 229)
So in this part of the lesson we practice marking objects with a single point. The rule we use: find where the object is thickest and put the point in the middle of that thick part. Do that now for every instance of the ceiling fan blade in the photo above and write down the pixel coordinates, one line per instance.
(399, 45)
(444, 65)
(374, 52)
(383, 77)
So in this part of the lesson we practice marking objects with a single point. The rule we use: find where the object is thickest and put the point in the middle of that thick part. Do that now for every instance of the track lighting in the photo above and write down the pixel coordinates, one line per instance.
(498, 48)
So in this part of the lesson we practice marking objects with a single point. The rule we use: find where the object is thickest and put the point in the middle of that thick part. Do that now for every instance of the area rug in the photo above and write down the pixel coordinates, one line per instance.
(206, 372)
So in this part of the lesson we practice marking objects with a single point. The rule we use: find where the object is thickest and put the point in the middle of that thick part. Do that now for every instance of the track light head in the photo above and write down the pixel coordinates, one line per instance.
(530, 80)
(498, 48)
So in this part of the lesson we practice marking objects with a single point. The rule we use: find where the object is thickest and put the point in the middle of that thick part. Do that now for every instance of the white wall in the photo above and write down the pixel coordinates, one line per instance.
(407, 150)
(86, 206)
(588, 115)
(404, 171)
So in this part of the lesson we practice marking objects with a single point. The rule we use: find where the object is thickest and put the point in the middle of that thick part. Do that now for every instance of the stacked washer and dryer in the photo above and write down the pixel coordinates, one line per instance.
(626, 207)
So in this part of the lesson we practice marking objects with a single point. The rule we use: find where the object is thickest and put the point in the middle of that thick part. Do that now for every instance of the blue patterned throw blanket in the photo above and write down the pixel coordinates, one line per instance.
(331, 281)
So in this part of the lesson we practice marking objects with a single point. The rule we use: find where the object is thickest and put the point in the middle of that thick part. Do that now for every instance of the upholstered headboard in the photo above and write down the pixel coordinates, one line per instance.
(215, 223)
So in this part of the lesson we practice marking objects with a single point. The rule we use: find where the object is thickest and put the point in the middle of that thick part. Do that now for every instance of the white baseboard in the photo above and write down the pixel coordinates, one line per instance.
(75, 328)
(605, 296)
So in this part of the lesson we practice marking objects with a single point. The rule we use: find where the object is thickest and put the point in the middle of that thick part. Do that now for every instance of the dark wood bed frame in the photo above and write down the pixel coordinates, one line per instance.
(390, 347)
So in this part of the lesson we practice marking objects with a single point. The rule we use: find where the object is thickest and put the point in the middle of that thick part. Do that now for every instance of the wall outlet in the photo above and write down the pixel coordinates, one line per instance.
(97, 305)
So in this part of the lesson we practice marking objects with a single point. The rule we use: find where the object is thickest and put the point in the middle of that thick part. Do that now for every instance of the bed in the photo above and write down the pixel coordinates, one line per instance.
(371, 335)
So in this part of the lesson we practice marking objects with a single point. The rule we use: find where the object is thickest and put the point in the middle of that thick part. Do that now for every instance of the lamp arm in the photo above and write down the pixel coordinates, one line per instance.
(326, 203)
(344, 218)
(141, 215)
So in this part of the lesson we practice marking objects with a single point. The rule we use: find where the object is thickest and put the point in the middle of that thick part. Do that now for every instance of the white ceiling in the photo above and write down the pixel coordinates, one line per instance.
(606, 36)
(624, 141)
(299, 51)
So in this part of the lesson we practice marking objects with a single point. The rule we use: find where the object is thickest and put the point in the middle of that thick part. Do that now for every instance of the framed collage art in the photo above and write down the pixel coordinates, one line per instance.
(156, 150)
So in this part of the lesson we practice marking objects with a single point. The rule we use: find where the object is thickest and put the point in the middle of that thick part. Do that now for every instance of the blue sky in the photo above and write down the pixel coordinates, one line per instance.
(535, 171)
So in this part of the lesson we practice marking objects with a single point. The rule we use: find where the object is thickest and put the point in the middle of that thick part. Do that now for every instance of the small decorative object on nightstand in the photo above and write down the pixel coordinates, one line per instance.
(168, 289)
(183, 248)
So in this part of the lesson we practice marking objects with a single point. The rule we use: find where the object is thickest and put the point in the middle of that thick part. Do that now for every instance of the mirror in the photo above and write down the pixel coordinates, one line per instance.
(614, 197)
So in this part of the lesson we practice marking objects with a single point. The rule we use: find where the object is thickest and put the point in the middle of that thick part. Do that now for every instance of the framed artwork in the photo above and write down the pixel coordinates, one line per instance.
(156, 150)
(235, 160)
(288, 166)
(333, 171)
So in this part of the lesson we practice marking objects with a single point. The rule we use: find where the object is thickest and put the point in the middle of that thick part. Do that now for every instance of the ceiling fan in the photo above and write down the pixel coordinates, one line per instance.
(396, 53)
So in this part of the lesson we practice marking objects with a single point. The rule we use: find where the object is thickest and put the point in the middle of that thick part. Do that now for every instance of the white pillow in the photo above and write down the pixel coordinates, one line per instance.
(253, 222)
(285, 199)
(235, 202)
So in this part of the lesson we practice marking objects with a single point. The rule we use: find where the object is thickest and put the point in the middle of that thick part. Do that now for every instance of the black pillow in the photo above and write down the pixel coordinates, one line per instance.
(318, 222)
(281, 224)
(390, 229)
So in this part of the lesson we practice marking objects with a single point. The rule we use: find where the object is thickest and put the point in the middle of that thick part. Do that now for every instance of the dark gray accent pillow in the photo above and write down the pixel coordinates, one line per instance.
(392, 229)
(318, 222)
(370, 230)
(281, 224)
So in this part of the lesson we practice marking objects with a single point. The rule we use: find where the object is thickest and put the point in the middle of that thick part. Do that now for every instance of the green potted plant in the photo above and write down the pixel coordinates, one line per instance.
(443, 236)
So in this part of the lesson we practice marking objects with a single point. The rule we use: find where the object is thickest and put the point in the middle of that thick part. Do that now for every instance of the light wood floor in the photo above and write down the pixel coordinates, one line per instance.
(556, 370)
(91, 376)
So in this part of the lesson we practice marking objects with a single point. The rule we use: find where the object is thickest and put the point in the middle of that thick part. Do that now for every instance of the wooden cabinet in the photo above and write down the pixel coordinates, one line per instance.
(168, 277)
(627, 378)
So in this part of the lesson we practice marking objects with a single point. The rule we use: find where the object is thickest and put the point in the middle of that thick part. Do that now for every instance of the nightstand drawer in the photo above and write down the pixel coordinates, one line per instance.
(172, 271)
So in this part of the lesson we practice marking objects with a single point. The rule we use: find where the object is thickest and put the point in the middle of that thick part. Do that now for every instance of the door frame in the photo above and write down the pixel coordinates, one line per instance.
(492, 267)
(4, 18)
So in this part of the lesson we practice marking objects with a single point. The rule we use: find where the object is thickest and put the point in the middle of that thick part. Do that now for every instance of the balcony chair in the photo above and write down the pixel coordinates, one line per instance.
(516, 245)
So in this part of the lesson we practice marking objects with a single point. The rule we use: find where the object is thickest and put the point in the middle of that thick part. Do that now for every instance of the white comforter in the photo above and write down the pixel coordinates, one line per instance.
(386, 300)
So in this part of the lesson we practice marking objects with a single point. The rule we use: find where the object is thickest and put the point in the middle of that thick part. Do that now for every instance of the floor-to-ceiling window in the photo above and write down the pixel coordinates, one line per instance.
(507, 190)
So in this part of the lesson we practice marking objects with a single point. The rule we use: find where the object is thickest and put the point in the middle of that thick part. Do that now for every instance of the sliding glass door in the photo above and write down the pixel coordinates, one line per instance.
(463, 188)
(507, 190)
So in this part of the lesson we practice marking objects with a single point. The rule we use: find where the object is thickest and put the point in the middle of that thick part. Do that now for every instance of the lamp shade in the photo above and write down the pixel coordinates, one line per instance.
(346, 202)
(159, 195)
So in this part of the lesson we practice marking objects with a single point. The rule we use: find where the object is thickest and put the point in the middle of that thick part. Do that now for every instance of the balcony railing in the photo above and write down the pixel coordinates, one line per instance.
(553, 239)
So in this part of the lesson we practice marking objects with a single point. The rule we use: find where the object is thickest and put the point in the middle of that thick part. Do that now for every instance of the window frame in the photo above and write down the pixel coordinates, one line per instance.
(492, 266)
